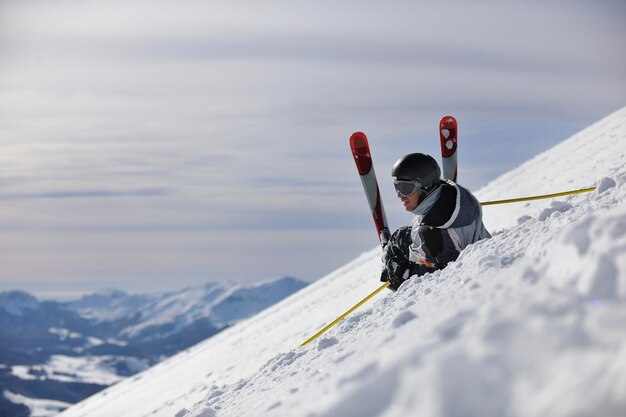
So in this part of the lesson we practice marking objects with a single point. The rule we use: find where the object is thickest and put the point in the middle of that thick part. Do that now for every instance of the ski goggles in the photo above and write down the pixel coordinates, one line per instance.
(407, 187)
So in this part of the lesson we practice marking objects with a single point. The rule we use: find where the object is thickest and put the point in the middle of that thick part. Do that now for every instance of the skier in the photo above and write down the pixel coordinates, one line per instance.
(447, 219)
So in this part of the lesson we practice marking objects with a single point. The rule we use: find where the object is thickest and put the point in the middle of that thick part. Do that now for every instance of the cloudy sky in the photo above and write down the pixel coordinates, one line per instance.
(150, 145)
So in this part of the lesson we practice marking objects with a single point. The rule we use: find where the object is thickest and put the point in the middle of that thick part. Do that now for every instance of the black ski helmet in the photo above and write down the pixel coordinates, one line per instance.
(420, 167)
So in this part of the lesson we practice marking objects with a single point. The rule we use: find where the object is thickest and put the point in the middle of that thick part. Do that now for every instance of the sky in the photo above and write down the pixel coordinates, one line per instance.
(152, 145)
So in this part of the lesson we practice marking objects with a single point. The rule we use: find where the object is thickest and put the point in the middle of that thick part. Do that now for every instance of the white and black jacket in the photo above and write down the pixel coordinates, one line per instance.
(449, 219)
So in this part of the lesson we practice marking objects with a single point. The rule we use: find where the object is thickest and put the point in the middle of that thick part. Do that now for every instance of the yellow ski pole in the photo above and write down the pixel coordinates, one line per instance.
(344, 315)
(538, 197)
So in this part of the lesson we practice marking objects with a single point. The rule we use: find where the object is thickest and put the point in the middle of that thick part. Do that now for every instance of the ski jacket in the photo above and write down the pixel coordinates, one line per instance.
(446, 221)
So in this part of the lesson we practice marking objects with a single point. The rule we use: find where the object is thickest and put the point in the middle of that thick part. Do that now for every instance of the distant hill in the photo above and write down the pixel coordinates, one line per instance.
(64, 351)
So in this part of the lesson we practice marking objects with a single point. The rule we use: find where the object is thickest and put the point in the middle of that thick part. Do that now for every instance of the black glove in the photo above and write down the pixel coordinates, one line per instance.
(396, 273)
(394, 280)
(396, 270)
(396, 265)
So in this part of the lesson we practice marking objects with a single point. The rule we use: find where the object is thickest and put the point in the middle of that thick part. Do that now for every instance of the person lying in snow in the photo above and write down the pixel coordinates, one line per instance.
(447, 219)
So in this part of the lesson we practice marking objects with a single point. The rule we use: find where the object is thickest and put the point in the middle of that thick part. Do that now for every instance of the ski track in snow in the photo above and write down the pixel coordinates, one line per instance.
(528, 323)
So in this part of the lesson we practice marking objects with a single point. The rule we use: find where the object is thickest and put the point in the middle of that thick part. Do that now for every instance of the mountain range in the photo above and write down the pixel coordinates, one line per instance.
(61, 352)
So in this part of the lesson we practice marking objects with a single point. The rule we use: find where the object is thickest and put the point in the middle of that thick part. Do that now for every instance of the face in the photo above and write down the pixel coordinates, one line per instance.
(411, 201)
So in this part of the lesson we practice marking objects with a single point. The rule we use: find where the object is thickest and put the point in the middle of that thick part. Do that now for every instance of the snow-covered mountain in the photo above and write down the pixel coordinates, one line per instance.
(528, 323)
(54, 354)
(16, 302)
(161, 315)
(110, 304)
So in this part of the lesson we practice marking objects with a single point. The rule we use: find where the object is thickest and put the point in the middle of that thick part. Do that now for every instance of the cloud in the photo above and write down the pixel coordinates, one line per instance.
(148, 192)
(212, 129)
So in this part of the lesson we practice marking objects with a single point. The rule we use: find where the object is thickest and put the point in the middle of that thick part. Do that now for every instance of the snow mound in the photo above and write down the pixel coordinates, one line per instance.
(528, 323)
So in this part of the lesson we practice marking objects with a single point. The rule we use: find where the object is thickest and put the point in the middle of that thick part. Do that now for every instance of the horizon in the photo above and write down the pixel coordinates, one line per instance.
(148, 147)
(64, 296)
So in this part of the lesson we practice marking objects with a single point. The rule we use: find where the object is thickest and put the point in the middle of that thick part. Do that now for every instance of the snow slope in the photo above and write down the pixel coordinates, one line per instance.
(529, 323)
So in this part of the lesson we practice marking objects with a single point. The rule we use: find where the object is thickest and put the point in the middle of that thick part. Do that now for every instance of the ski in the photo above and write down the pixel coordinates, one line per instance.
(363, 159)
(448, 138)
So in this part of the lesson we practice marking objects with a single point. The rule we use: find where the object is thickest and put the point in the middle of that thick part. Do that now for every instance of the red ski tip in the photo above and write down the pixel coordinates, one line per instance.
(447, 122)
(448, 137)
(361, 152)
(358, 144)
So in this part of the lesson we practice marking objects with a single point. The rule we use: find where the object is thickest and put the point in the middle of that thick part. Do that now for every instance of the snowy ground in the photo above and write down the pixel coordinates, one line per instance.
(529, 323)
(38, 407)
(93, 369)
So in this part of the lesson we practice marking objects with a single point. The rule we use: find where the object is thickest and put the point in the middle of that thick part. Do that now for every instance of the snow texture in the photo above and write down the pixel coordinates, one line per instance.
(528, 323)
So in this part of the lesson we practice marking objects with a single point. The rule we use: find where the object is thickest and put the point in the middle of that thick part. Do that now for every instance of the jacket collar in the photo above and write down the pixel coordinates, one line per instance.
(425, 205)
